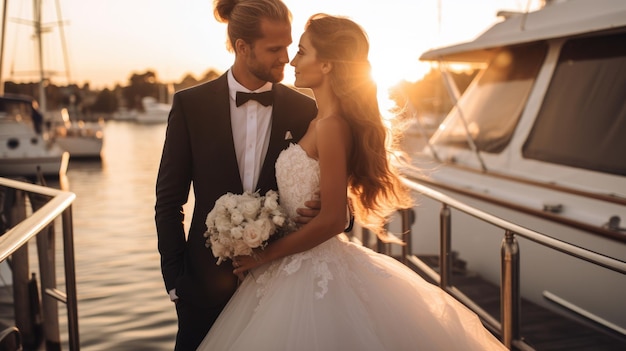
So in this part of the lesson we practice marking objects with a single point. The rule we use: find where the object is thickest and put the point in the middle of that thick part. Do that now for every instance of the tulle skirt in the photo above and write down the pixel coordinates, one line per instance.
(342, 296)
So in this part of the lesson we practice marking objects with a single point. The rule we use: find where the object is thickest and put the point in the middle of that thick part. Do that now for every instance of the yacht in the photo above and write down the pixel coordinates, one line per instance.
(24, 147)
(82, 139)
(153, 111)
(539, 139)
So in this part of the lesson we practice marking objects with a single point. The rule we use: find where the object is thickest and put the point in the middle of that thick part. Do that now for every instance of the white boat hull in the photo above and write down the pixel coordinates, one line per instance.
(79, 138)
(154, 112)
(22, 152)
(81, 147)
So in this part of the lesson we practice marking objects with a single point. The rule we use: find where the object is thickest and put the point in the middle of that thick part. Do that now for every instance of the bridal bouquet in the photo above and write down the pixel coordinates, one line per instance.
(240, 223)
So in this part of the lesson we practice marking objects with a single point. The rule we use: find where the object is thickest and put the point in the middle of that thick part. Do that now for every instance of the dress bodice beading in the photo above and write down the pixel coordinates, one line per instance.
(298, 178)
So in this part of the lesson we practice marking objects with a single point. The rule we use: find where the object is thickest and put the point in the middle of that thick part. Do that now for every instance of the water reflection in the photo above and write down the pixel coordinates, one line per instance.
(122, 301)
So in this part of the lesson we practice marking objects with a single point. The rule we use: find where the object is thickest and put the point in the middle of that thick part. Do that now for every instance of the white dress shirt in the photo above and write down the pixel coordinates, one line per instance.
(251, 124)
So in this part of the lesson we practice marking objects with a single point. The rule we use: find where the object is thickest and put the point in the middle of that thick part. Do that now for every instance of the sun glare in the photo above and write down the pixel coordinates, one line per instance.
(388, 73)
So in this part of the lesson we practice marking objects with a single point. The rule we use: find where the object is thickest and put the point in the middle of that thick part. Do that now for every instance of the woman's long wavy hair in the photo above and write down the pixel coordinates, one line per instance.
(374, 187)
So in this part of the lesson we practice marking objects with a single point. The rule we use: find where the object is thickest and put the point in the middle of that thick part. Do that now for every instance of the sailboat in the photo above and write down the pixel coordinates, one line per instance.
(25, 150)
(73, 134)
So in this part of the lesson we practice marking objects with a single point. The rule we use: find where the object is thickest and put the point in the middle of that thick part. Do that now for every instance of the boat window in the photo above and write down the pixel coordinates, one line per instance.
(15, 109)
(494, 102)
(582, 121)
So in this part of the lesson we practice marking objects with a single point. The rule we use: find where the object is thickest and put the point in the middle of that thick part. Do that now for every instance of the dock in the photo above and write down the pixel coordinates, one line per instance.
(541, 328)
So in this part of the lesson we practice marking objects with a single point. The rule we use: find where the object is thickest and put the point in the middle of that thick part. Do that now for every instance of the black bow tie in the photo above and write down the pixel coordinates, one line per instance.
(265, 98)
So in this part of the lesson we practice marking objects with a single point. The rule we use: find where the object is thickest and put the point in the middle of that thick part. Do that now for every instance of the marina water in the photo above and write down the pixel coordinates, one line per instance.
(122, 302)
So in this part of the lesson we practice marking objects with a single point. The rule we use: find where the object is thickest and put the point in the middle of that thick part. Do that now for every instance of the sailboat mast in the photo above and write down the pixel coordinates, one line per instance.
(4, 26)
(38, 36)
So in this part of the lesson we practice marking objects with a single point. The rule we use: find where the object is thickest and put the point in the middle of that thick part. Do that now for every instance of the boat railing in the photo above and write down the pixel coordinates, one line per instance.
(39, 224)
(508, 327)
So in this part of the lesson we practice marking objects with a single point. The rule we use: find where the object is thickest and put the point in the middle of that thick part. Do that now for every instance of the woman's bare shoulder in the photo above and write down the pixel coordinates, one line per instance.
(333, 133)
(333, 124)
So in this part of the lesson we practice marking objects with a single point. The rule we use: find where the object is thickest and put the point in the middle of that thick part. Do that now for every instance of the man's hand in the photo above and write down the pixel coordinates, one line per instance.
(306, 214)
(312, 209)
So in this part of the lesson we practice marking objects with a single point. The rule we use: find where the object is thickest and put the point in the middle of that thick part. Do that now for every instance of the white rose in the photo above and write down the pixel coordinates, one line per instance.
(240, 248)
(236, 233)
(266, 228)
(252, 235)
(236, 217)
(278, 220)
(218, 249)
(222, 224)
(250, 208)
(228, 201)
(271, 200)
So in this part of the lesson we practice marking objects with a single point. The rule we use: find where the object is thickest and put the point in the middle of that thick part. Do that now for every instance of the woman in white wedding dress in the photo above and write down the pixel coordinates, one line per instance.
(313, 289)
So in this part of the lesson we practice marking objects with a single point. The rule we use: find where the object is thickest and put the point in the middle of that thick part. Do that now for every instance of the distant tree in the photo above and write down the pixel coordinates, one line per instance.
(140, 86)
(30, 89)
(210, 75)
(88, 101)
(106, 102)
(187, 81)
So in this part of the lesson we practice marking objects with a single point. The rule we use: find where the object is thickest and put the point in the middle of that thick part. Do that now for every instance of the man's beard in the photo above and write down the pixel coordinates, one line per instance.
(264, 73)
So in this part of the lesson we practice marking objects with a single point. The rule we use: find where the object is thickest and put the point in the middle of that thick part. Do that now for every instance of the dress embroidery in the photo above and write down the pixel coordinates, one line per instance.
(298, 181)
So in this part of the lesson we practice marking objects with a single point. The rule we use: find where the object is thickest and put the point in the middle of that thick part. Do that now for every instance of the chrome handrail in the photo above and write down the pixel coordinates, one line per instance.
(510, 288)
(543, 239)
(59, 205)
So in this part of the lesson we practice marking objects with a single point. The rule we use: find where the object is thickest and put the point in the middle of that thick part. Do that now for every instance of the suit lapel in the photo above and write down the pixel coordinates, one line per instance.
(223, 130)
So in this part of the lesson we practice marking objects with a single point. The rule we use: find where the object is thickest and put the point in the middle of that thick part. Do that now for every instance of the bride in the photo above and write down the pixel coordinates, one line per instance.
(313, 289)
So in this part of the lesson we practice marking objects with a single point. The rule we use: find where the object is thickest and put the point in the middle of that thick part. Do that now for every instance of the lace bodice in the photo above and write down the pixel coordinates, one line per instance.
(298, 178)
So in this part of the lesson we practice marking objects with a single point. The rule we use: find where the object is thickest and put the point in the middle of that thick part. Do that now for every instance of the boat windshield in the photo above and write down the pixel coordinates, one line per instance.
(582, 121)
(494, 102)
(15, 109)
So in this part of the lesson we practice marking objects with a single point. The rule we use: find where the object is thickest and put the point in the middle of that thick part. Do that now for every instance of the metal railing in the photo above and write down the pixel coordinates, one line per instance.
(12, 242)
(510, 298)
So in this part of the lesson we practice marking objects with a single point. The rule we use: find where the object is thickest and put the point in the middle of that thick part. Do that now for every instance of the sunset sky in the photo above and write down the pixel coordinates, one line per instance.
(108, 40)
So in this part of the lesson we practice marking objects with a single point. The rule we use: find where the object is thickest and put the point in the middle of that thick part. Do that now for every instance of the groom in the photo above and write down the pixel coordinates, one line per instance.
(222, 139)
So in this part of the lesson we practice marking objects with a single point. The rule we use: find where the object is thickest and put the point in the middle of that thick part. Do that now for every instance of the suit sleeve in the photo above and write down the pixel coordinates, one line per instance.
(172, 190)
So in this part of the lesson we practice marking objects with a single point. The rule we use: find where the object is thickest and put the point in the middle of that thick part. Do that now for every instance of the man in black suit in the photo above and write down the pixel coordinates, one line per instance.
(219, 142)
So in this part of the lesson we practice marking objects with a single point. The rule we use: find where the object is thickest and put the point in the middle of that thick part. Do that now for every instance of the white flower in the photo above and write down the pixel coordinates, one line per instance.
(267, 227)
(218, 250)
(236, 217)
(240, 248)
(279, 220)
(249, 207)
(229, 202)
(271, 200)
(236, 233)
(222, 223)
(239, 223)
(252, 235)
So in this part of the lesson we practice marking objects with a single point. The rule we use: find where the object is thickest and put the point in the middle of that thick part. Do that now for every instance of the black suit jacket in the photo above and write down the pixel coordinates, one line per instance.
(199, 151)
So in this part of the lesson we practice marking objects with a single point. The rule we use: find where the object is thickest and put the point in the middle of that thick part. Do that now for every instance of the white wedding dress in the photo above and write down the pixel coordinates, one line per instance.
(339, 296)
